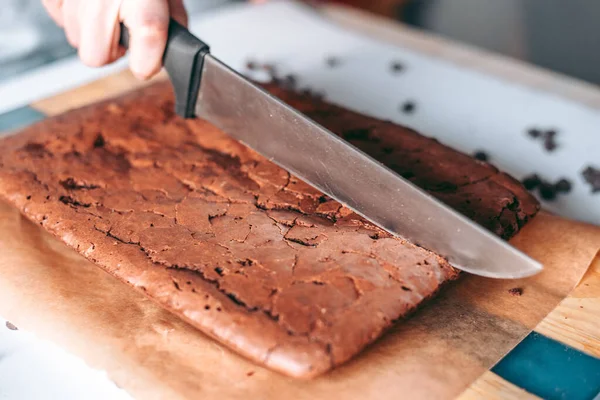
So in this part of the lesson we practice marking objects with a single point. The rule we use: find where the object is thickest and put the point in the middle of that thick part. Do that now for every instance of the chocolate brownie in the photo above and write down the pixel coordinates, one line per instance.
(236, 246)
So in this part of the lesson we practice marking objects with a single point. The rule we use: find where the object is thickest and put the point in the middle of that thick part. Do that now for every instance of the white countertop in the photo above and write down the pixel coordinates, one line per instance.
(466, 109)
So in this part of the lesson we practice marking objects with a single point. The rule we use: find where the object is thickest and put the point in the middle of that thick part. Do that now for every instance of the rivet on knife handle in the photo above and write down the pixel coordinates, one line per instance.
(183, 60)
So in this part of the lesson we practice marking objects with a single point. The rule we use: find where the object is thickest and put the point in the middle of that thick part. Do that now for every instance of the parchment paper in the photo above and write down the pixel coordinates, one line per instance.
(48, 289)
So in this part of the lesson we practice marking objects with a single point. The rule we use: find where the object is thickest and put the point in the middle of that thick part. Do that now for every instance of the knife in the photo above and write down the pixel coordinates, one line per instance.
(206, 88)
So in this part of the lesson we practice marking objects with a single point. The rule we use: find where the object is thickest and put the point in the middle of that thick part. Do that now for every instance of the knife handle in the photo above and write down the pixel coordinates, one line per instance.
(183, 58)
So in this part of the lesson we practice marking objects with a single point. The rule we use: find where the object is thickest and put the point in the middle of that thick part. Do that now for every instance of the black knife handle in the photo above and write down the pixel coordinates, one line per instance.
(183, 60)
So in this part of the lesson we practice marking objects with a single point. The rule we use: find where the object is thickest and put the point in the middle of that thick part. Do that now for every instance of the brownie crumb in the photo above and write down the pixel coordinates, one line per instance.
(481, 155)
(531, 181)
(534, 133)
(397, 66)
(250, 373)
(563, 186)
(332, 61)
(547, 190)
(11, 326)
(548, 137)
(592, 176)
(516, 291)
(550, 144)
(408, 107)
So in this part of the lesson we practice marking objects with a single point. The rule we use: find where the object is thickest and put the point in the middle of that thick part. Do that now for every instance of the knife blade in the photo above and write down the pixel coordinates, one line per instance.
(207, 88)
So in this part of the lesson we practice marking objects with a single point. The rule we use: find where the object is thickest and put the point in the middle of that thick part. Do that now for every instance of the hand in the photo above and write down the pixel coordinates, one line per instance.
(92, 26)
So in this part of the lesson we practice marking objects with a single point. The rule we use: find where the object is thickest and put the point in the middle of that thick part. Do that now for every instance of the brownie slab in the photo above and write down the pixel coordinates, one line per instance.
(233, 244)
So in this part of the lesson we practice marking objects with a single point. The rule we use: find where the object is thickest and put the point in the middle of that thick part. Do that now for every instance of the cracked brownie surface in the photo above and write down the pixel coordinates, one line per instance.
(232, 243)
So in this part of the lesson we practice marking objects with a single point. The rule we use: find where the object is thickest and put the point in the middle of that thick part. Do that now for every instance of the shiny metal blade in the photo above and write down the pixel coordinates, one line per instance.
(338, 169)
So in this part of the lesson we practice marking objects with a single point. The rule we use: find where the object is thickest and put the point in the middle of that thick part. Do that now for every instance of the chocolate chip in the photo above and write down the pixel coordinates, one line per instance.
(481, 155)
(547, 191)
(11, 326)
(592, 176)
(408, 107)
(531, 182)
(516, 291)
(332, 61)
(563, 186)
(397, 66)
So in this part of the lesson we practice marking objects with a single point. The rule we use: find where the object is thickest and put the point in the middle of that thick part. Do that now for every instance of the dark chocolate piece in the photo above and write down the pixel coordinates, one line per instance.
(516, 291)
(233, 244)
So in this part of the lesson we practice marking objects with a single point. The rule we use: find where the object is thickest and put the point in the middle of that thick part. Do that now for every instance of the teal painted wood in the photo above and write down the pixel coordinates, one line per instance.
(19, 118)
(551, 370)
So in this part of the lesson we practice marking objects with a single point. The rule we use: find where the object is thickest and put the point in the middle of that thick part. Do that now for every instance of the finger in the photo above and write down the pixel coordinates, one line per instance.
(70, 16)
(178, 12)
(54, 9)
(99, 38)
(148, 24)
